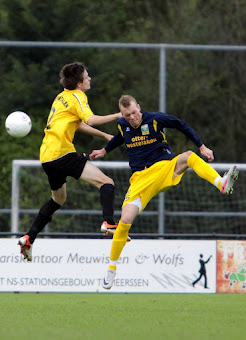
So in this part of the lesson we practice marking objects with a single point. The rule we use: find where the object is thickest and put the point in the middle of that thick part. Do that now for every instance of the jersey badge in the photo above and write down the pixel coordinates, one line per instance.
(145, 129)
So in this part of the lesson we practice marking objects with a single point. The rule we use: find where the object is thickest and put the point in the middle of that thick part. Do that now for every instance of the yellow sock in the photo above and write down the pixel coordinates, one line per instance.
(119, 241)
(204, 170)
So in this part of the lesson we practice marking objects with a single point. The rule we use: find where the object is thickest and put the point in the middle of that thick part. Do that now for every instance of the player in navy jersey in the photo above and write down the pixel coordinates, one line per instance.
(154, 166)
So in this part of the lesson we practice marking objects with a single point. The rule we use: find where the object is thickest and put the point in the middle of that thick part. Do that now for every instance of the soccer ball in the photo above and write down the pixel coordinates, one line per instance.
(18, 124)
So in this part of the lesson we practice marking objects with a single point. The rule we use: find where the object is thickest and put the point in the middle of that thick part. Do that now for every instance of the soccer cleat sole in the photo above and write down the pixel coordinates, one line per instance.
(106, 286)
(234, 177)
(25, 255)
(108, 283)
(24, 251)
(108, 231)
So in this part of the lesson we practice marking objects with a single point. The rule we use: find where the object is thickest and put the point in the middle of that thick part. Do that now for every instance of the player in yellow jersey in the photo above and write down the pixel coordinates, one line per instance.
(70, 112)
(154, 166)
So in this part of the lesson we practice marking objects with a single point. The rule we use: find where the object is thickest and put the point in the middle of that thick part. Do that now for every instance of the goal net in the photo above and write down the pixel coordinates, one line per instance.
(192, 207)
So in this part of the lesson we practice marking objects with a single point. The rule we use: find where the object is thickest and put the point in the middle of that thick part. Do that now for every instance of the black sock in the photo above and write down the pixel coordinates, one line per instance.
(44, 216)
(107, 202)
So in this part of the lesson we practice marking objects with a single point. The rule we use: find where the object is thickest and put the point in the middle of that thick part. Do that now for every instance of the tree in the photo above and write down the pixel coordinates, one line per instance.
(204, 88)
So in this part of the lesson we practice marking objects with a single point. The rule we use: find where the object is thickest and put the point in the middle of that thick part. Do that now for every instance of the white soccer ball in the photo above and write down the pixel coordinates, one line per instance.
(18, 124)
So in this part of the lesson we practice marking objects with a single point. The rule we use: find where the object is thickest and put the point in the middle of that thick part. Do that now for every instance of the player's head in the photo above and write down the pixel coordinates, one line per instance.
(126, 100)
(130, 110)
(75, 75)
(201, 256)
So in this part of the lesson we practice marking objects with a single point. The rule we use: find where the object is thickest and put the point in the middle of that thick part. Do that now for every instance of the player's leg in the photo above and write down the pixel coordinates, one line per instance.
(129, 213)
(58, 198)
(46, 211)
(189, 159)
(144, 186)
(91, 174)
(206, 171)
(57, 180)
(42, 219)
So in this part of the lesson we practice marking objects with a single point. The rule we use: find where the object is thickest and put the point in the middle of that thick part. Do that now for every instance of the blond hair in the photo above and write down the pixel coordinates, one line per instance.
(126, 100)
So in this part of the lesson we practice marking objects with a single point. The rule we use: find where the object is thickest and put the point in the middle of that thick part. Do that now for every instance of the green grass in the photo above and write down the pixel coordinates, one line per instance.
(122, 316)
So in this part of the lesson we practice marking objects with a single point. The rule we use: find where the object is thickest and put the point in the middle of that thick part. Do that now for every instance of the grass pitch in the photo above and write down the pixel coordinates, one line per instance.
(122, 316)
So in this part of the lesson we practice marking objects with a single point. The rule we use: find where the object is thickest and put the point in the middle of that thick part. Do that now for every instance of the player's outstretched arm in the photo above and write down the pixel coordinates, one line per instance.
(116, 141)
(97, 154)
(94, 132)
(207, 152)
(99, 120)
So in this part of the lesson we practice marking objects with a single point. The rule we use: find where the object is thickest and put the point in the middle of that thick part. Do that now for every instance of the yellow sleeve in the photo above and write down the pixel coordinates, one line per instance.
(82, 107)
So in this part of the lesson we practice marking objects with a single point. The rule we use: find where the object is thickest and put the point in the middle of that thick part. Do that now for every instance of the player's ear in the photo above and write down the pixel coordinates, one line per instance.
(138, 106)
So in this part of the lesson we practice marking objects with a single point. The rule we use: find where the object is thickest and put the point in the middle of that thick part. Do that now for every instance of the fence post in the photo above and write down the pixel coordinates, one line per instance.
(15, 197)
(162, 108)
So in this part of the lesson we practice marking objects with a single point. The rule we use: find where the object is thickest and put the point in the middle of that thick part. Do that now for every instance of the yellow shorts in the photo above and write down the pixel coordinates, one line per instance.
(149, 182)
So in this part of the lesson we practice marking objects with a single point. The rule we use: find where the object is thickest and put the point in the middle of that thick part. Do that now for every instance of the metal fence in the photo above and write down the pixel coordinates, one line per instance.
(163, 49)
(18, 164)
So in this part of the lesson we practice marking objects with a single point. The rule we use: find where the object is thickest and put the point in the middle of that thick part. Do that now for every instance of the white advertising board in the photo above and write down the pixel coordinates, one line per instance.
(145, 266)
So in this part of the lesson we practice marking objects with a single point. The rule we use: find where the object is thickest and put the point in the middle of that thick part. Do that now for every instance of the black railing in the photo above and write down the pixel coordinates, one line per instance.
(209, 236)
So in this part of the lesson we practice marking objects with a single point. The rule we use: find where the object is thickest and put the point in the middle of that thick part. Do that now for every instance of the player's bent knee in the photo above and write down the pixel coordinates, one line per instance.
(104, 180)
(131, 210)
(126, 220)
(184, 156)
(61, 199)
(109, 181)
(188, 153)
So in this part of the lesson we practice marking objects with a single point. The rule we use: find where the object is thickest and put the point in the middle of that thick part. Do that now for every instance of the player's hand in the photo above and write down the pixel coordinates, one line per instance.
(119, 114)
(207, 153)
(97, 154)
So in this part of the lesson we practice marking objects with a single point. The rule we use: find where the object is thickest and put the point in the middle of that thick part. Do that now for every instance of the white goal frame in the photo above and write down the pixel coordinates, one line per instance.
(15, 206)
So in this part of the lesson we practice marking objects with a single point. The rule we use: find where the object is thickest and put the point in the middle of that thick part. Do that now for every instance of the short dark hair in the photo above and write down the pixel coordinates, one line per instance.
(126, 100)
(72, 74)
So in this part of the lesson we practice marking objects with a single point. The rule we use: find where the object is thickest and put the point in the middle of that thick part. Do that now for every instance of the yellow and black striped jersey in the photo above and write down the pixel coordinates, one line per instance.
(68, 110)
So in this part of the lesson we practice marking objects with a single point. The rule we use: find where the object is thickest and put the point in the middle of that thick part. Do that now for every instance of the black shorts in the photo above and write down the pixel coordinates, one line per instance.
(57, 171)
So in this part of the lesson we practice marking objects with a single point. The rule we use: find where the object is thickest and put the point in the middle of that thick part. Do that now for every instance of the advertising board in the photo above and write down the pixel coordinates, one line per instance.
(231, 266)
(79, 265)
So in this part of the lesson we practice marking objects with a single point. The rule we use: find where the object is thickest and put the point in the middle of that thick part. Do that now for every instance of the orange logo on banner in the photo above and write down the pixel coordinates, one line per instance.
(231, 266)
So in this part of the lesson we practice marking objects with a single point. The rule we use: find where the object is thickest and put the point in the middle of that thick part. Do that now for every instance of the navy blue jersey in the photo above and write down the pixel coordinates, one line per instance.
(147, 144)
